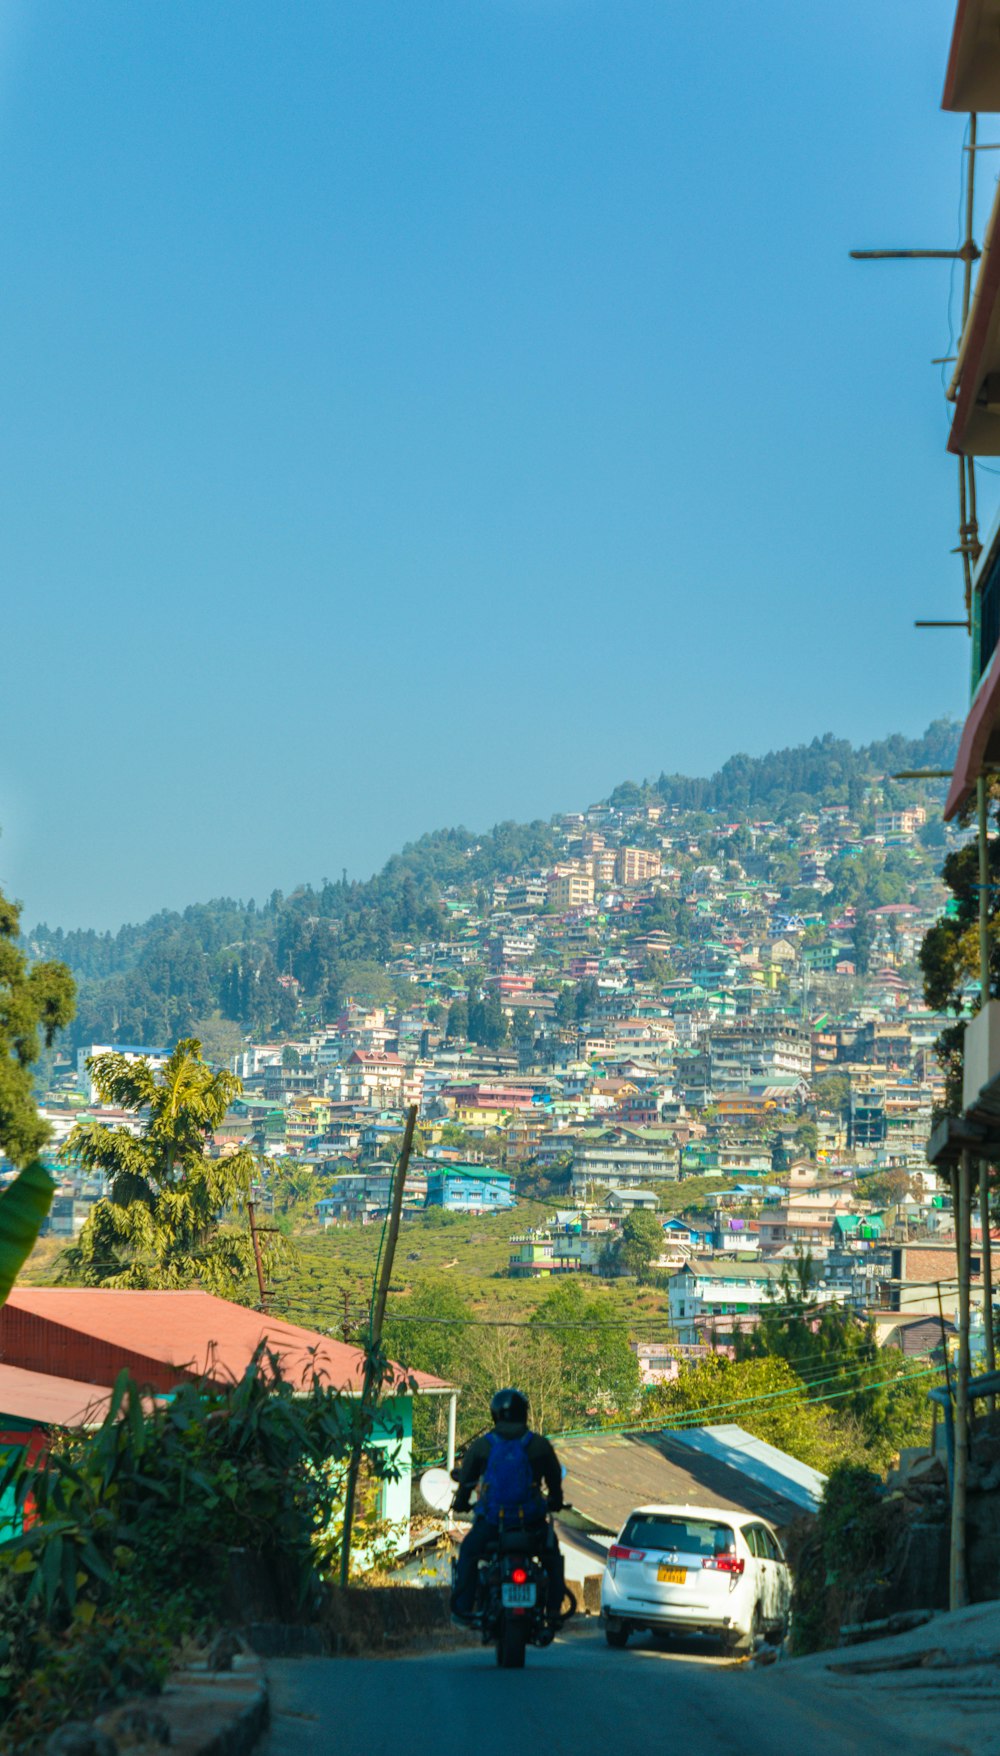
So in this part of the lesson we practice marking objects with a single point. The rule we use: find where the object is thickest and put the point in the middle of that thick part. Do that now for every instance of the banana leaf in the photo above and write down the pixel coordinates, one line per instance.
(23, 1207)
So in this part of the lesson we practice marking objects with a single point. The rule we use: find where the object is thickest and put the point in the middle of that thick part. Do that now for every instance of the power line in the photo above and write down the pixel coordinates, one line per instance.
(691, 1417)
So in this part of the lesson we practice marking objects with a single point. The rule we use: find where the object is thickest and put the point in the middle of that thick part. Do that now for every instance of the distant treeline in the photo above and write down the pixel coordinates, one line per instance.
(829, 771)
(155, 982)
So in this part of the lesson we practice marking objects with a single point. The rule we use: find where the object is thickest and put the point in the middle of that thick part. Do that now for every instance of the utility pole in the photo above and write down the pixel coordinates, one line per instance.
(958, 1580)
(370, 1384)
(255, 1238)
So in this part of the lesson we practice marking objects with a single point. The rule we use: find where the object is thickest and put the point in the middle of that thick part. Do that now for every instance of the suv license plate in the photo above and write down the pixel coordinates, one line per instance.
(671, 1575)
(517, 1597)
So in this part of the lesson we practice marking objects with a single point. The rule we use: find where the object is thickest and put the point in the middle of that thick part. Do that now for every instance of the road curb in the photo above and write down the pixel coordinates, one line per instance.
(207, 1713)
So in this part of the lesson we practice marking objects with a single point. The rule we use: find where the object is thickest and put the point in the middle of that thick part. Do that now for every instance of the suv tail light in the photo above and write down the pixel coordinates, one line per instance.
(621, 1552)
(725, 1564)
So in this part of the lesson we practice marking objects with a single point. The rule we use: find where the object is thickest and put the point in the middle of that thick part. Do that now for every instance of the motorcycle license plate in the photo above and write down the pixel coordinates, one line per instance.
(517, 1597)
(671, 1575)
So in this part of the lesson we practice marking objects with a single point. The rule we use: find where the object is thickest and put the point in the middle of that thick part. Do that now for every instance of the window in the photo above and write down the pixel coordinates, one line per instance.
(772, 1544)
(688, 1536)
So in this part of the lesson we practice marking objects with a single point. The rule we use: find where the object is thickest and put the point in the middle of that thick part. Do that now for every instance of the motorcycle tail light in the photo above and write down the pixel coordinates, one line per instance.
(519, 1576)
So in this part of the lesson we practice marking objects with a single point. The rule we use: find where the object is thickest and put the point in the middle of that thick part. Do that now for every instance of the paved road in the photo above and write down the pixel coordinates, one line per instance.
(575, 1699)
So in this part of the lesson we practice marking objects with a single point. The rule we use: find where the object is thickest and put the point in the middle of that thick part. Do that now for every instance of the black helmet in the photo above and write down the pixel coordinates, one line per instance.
(509, 1405)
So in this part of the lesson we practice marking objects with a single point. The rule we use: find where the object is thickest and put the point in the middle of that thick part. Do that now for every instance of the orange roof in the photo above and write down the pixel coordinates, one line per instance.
(167, 1336)
(48, 1401)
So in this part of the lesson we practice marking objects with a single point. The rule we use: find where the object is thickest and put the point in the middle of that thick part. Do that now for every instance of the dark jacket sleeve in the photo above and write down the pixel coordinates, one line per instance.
(473, 1464)
(551, 1473)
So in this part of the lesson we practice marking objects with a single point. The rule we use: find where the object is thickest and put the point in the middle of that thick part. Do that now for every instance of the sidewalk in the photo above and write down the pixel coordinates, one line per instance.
(940, 1682)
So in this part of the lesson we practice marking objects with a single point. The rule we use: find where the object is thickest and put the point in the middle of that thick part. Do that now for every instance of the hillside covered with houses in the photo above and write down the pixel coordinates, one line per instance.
(692, 1030)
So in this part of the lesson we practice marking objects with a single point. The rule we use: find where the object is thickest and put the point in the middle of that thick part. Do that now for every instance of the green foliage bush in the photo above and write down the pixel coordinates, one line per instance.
(570, 1355)
(843, 1556)
(765, 1396)
(128, 1530)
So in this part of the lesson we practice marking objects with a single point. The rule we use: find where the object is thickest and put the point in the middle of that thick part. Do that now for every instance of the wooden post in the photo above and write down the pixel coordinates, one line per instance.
(257, 1257)
(452, 1412)
(395, 1215)
(370, 1384)
(958, 1584)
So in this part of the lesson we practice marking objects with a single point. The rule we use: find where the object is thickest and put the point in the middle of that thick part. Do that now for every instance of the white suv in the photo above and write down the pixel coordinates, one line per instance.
(696, 1569)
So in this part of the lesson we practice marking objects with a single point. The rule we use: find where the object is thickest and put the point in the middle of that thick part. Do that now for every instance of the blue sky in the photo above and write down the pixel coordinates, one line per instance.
(431, 413)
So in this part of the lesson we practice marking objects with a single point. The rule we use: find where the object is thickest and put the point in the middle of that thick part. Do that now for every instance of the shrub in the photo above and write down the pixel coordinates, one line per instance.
(129, 1528)
(844, 1556)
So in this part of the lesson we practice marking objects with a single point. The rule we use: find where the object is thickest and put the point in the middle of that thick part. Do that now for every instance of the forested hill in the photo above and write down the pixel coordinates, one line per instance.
(828, 771)
(153, 982)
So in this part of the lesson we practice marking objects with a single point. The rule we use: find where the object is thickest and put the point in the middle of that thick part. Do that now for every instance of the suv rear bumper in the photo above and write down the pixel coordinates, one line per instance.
(669, 1616)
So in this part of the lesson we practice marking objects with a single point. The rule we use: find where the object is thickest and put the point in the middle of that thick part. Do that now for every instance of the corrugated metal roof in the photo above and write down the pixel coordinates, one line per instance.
(608, 1474)
(48, 1401)
(193, 1334)
(762, 1463)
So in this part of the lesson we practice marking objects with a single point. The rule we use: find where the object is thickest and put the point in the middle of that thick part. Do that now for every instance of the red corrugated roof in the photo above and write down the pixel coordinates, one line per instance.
(190, 1334)
(48, 1401)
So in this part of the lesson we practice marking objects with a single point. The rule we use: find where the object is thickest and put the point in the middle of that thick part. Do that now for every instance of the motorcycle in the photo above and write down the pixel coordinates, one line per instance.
(512, 1583)
(511, 1598)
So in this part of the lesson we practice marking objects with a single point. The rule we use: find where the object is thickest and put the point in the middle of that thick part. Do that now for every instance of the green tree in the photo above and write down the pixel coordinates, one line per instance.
(600, 1373)
(641, 1242)
(292, 1185)
(832, 1091)
(806, 1138)
(167, 1220)
(762, 1394)
(864, 934)
(888, 1187)
(872, 1394)
(487, 1022)
(428, 1331)
(221, 1038)
(35, 1002)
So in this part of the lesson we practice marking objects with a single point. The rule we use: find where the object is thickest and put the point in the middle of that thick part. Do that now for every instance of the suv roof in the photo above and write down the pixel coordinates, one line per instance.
(677, 1509)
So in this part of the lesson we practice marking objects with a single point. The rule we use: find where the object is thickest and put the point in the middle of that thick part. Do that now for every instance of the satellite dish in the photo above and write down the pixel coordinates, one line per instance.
(437, 1489)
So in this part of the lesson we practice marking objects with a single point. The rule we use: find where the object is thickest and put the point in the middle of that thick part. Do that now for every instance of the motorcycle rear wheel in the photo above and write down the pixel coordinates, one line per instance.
(511, 1643)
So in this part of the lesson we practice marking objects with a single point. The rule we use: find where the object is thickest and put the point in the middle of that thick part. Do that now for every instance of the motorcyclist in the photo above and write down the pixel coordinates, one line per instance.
(509, 1409)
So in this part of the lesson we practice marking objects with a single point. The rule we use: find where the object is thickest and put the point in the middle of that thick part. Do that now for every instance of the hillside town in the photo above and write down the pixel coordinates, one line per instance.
(716, 1024)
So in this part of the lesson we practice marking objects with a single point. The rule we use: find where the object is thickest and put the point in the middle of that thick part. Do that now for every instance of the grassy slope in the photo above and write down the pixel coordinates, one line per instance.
(470, 1252)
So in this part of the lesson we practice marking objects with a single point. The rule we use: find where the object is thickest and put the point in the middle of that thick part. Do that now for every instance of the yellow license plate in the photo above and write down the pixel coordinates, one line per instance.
(671, 1575)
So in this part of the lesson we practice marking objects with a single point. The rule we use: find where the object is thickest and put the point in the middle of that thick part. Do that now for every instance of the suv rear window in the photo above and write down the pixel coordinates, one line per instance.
(689, 1536)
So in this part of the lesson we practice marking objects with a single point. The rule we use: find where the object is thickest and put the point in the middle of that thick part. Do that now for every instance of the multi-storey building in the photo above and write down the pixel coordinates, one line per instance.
(740, 1055)
(571, 890)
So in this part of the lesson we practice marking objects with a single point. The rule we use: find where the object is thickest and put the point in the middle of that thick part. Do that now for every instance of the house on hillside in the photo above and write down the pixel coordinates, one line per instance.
(469, 1189)
(713, 1297)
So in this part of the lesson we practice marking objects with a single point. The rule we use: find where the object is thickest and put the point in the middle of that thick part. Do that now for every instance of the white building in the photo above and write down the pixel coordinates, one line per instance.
(712, 1296)
(158, 1058)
